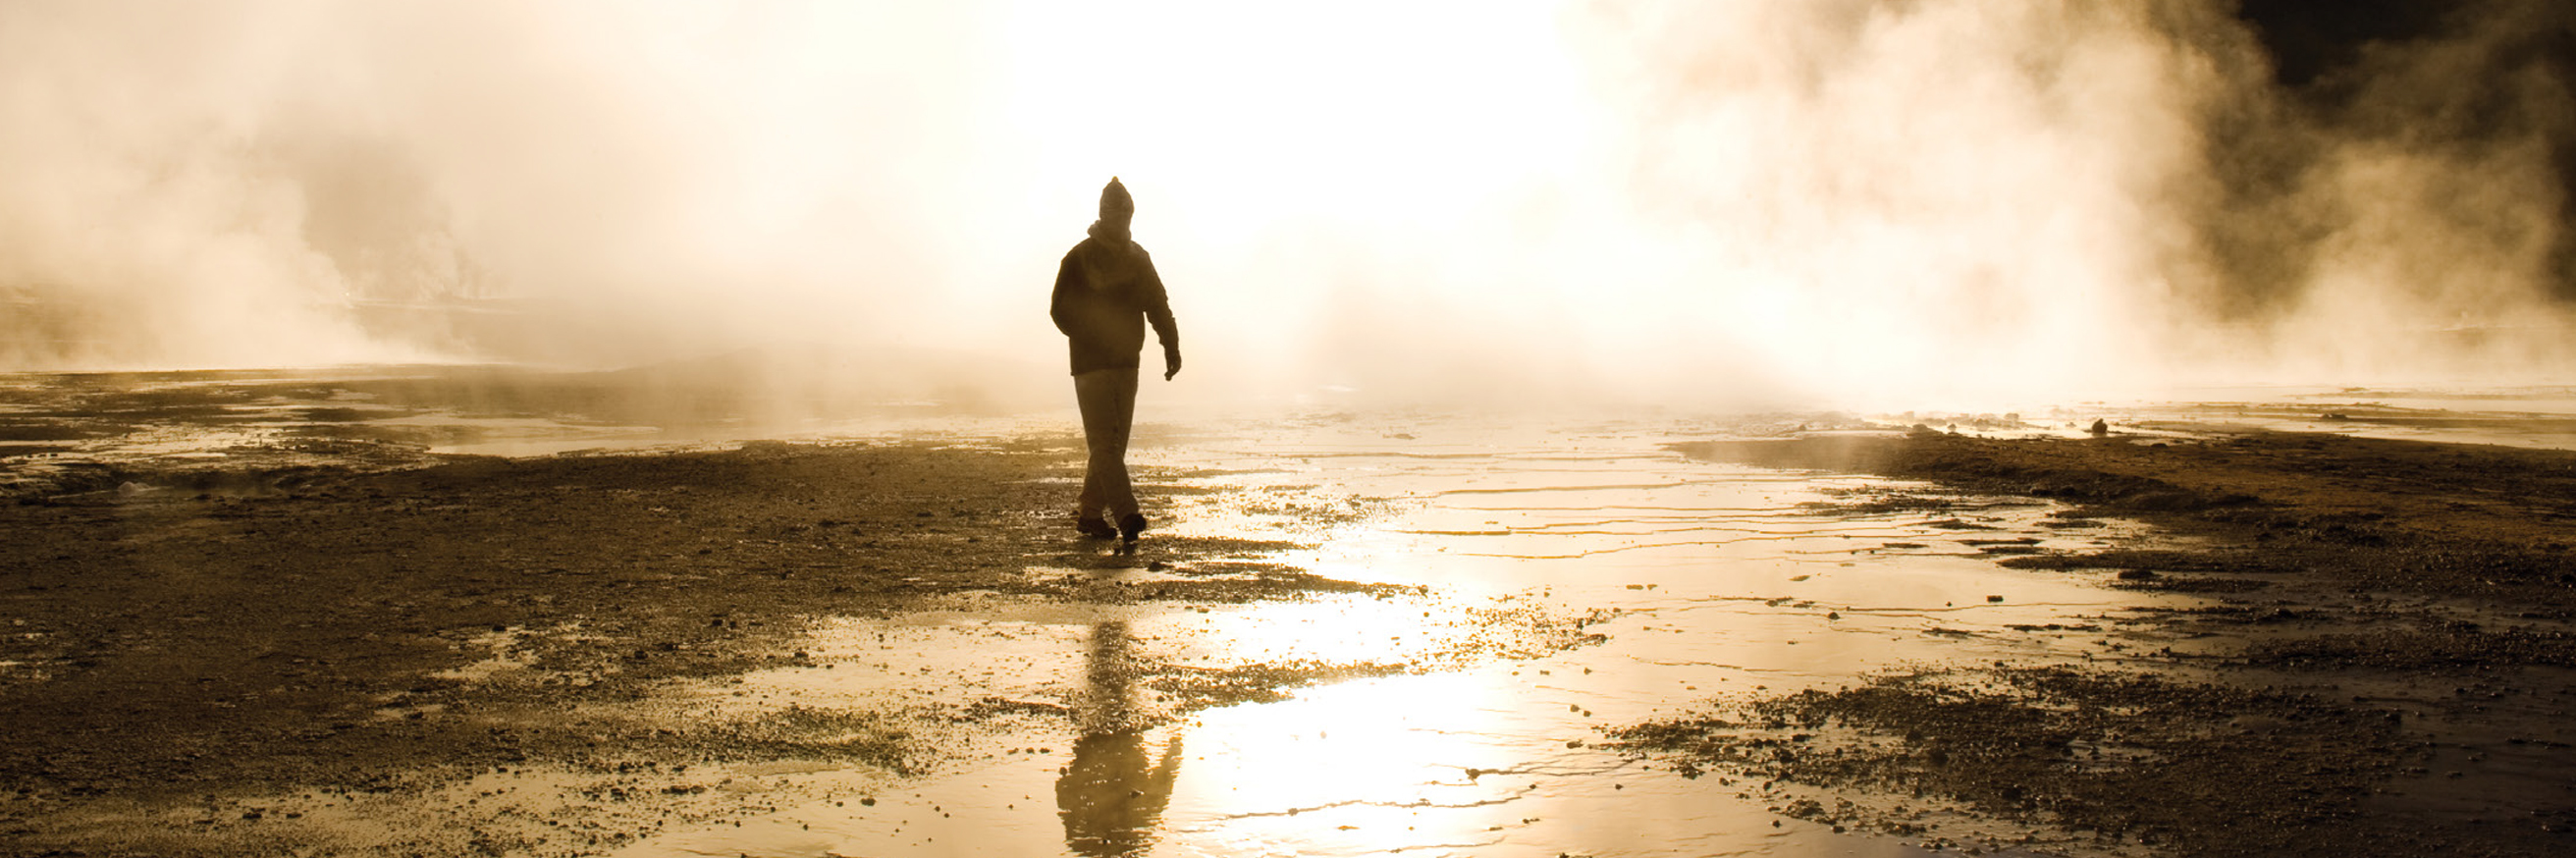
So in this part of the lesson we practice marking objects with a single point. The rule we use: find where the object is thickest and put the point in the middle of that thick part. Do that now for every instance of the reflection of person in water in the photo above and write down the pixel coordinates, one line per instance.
(1105, 293)
(1114, 792)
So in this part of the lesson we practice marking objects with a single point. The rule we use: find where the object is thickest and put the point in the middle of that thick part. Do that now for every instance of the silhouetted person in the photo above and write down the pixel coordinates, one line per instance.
(1105, 293)
(1113, 794)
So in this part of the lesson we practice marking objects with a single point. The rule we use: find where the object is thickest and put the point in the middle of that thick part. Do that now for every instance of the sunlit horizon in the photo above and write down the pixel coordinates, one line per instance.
(1513, 203)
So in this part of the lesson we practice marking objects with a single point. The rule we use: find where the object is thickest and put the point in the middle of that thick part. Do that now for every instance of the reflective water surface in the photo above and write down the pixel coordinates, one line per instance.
(1571, 578)
(1557, 578)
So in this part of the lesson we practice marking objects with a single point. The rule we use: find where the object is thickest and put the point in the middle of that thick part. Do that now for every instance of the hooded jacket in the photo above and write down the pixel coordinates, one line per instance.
(1106, 291)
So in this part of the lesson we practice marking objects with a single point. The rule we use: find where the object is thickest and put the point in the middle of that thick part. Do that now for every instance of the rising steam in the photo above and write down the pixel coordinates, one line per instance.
(1868, 202)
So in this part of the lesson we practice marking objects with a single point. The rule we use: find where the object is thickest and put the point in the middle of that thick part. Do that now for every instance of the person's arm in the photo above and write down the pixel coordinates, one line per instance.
(1158, 312)
(1068, 279)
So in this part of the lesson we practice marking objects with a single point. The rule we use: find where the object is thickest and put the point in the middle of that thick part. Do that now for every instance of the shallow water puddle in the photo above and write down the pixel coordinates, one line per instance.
(1574, 577)
(1573, 581)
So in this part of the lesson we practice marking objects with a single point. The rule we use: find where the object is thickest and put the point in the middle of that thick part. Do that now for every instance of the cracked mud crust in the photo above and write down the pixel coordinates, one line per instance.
(2387, 666)
(2127, 757)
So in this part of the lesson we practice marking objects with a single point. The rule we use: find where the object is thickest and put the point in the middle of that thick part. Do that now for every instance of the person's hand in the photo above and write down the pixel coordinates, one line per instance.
(1171, 363)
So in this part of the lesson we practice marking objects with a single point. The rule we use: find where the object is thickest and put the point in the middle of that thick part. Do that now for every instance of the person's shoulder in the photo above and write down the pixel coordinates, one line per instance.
(1081, 250)
(1096, 247)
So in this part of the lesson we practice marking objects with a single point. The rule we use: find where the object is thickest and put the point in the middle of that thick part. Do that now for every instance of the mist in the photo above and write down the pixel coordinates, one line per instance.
(1855, 203)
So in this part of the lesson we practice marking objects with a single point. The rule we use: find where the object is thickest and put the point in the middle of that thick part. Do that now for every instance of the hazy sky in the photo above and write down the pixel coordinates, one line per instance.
(1702, 203)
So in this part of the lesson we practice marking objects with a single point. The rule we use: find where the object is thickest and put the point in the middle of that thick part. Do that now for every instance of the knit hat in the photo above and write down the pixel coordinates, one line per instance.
(1116, 208)
(1115, 204)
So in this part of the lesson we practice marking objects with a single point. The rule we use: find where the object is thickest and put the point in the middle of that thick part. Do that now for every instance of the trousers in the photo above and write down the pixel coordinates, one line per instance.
(1108, 400)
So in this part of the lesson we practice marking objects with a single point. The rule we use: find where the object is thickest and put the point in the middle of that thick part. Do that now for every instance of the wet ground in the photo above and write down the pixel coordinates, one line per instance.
(257, 614)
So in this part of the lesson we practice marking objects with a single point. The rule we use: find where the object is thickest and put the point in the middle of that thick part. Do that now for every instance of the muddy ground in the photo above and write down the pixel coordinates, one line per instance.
(2385, 667)
(2382, 665)
(185, 637)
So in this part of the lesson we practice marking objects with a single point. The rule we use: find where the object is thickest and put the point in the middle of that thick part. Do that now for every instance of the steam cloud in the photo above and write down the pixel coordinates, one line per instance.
(1897, 202)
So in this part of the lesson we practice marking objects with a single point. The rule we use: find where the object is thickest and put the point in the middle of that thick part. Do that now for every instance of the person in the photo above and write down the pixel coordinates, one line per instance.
(1106, 292)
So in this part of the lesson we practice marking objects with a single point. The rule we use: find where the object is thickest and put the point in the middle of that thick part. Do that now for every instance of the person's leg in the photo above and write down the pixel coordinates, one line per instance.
(1118, 492)
(1108, 400)
(1094, 393)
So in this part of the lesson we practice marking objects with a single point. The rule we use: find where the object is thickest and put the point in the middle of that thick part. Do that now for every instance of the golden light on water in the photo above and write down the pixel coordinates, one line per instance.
(1466, 716)
(1389, 626)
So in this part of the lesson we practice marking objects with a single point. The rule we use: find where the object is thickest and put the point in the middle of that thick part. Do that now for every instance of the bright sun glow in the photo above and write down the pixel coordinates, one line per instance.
(1702, 205)
(1247, 119)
